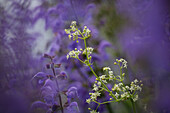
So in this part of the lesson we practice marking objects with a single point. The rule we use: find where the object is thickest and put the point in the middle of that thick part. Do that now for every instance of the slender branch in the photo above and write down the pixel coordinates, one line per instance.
(58, 89)
(102, 83)
(97, 107)
(133, 106)
(106, 102)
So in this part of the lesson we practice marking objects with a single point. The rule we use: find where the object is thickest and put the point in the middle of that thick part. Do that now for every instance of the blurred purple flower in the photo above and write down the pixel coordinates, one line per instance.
(145, 40)
(72, 92)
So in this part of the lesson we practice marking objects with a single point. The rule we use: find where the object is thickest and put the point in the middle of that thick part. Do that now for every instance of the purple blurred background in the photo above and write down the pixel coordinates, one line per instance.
(136, 30)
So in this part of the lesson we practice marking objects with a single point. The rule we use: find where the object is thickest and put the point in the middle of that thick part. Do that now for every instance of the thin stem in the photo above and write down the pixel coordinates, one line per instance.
(106, 102)
(80, 60)
(86, 50)
(97, 107)
(102, 83)
(58, 89)
(120, 72)
(133, 106)
(94, 72)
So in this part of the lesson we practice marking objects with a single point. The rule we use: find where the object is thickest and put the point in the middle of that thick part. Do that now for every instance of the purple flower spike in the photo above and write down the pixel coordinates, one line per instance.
(72, 92)
(49, 91)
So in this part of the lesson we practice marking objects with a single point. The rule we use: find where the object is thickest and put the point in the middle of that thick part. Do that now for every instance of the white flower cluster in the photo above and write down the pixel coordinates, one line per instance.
(123, 61)
(134, 85)
(73, 25)
(106, 68)
(96, 93)
(74, 54)
(93, 97)
(123, 92)
(103, 78)
(89, 50)
(93, 111)
(109, 74)
(74, 33)
(119, 91)
(86, 32)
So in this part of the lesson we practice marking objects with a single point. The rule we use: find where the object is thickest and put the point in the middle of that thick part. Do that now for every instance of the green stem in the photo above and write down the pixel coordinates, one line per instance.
(94, 72)
(102, 83)
(133, 106)
(120, 72)
(86, 49)
(97, 107)
(106, 102)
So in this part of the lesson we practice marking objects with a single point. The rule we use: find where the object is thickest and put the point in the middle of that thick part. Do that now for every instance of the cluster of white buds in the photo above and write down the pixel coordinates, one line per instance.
(122, 61)
(106, 69)
(119, 91)
(75, 34)
(93, 111)
(74, 54)
(103, 79)
(89, 50)
(73, 25)
(93, 96)
(97, 88)
(123, 92)
(86, 32)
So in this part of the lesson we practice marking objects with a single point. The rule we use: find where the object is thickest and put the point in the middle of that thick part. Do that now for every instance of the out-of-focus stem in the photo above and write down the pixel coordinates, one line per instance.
(58, 89)
(133, 106)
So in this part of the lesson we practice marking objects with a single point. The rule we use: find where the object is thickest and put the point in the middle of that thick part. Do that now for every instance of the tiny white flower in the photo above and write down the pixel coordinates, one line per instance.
(116, 87)
(94, 95)
(117, 95)
(132, 88)
(104, 81)
(98, 94)
(135, 98)
(110, 72)
(73, 23)
(67, 56)
(110, 77)
(93, 111)
(102, 77)
(99, 83)
(106, 68)
(120, 84)
(127, 87)
(135, 81)
(139, 88)
(95, 87)
(67, 31)
(88, 101)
